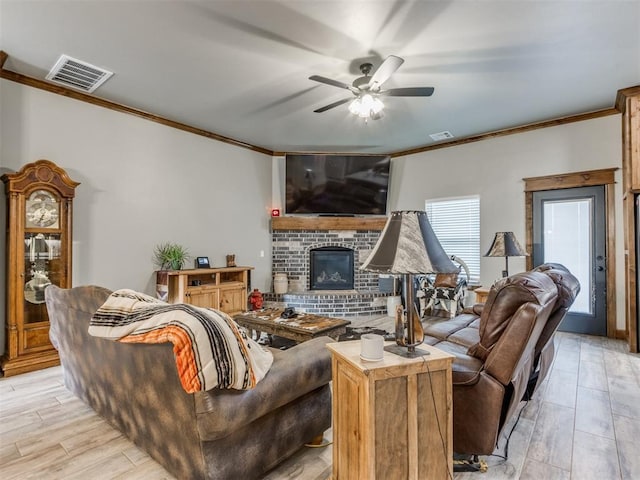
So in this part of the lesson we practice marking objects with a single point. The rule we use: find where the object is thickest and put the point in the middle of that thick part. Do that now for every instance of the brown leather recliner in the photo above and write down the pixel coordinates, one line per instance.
(568, 289)
(495, 355)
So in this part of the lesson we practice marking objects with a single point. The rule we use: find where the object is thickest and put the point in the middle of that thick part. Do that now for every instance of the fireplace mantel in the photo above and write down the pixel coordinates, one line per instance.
(328, 223)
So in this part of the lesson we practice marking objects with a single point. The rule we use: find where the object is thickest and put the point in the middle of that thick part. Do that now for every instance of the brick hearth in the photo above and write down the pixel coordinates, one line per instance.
(290, 255)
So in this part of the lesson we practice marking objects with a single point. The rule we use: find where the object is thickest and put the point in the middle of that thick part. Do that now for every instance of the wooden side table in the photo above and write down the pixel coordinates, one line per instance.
(392, 418)
(481, 294)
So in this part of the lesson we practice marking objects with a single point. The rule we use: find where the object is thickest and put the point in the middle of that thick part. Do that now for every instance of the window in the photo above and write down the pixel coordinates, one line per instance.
(456, 223)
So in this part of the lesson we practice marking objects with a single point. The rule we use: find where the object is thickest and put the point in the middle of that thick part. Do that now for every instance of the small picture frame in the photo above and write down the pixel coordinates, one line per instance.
(202, 262)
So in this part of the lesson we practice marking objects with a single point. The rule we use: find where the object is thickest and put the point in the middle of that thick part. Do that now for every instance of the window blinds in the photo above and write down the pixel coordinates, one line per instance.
(456, 223)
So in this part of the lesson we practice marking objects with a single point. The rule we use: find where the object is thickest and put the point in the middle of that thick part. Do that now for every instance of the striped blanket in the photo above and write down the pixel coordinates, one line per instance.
(209, 347)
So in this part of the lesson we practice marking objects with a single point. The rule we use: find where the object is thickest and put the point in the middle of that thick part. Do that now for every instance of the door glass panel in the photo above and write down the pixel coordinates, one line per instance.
(567, 240)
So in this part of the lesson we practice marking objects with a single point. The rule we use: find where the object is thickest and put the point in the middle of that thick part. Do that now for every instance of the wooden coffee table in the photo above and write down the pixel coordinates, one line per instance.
(301, 328)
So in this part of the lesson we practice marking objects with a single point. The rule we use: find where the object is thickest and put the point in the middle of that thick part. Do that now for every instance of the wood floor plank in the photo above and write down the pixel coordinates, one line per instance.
(562, 388)
(533, 470)
(592, 375)
(594, 457)
(18, 421)
(625, 398)
(552, 438)
(8, 452)
(51, 433)
(593, 413)
(560, 426)
(619, 365)
(91, 438)
(33, 465)
(627, 435)
(510, 468)
(105, 468)
(567, 359)
(86, 461)
(135, 455)
(145, 471)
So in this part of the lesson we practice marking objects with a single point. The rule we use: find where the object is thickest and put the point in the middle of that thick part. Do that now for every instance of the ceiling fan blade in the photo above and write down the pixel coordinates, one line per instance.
(332, 105)
(409, 92)
(333, 83)
(384, 71)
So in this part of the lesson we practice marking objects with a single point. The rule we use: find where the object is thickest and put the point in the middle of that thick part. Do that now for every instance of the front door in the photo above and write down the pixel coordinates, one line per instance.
(569, 228)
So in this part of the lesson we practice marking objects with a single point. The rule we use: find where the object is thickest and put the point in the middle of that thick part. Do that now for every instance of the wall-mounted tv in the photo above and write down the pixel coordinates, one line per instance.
(336, 184)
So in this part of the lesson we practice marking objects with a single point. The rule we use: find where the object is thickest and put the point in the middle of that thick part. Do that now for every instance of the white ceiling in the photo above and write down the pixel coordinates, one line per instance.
(240, 68)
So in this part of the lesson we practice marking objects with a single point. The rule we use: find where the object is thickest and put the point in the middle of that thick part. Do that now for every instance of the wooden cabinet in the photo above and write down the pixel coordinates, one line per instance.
(392, 418)
(224, 288)
(39, 226)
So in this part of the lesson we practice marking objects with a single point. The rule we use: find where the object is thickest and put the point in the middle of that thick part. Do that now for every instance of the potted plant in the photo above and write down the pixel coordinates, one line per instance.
(170, 256)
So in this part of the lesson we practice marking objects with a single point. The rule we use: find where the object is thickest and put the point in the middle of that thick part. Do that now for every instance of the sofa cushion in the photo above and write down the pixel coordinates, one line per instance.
(444, 328)
(466, 336)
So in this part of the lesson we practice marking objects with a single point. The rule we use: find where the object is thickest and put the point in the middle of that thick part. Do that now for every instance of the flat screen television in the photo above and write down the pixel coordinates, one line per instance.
(336, 184)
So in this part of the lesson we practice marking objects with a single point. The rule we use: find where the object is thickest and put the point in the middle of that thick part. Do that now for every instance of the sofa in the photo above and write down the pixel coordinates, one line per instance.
(215, 434)
(498, 348)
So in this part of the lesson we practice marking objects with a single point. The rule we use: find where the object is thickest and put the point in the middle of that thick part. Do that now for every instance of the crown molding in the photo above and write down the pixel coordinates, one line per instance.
(510, 131)
(67, 92)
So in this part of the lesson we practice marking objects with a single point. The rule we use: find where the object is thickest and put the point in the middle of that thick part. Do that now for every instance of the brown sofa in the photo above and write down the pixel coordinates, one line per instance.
(498, 347)
(218, 434)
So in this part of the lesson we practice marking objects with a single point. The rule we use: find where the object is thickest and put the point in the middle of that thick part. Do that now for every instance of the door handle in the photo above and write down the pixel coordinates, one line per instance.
(600, 268)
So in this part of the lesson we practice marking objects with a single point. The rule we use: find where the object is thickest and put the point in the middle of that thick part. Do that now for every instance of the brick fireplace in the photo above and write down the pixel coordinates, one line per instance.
(294, 240)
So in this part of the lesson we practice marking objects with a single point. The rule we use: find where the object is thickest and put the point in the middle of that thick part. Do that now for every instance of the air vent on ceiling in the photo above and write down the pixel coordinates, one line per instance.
(441, 135)
(75, 73)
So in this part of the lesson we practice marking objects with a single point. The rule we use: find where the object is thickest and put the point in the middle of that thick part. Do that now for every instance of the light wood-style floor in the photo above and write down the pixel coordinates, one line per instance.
(583, 424)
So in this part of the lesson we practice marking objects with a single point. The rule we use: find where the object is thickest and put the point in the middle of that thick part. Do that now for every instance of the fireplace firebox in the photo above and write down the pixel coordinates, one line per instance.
(331, 268)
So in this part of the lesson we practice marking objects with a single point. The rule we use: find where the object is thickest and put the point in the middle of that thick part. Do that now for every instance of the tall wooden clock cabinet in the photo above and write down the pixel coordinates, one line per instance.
(39, 226)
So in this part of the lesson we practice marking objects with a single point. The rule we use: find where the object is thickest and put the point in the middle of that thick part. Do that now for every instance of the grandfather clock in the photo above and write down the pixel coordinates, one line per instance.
(39, 210)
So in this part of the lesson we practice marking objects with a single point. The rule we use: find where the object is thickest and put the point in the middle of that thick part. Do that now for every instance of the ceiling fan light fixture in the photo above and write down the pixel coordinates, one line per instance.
(367, 106)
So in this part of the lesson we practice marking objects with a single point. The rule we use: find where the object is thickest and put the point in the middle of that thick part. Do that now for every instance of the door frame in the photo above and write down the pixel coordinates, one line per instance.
(604, 177)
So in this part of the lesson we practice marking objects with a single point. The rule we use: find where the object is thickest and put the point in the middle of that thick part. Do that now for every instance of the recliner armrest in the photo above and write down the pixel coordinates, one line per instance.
(295, 372)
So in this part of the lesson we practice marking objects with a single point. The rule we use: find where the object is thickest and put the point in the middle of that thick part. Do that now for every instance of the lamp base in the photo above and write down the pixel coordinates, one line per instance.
(405, 352)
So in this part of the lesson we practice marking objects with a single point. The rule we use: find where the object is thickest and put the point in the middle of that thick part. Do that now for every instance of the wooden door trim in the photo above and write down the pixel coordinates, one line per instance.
(604, 177)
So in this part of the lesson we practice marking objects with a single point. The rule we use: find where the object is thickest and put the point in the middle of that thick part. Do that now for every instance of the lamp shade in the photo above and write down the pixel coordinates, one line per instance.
(505, 245)
(408, 245)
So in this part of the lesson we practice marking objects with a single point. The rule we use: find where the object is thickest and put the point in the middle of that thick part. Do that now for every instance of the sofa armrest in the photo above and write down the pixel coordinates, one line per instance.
(475, 309)
(295, 372)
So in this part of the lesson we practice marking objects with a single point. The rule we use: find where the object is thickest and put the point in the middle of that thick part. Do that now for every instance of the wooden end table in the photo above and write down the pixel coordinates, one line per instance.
(300, 328)
(391, 418)
(481, 294)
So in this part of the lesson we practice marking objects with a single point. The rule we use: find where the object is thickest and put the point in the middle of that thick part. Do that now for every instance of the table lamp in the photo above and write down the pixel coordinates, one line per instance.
(408, 246)
(505, 245)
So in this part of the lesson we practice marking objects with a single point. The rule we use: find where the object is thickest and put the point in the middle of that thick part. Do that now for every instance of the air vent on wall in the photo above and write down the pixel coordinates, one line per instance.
(77, 74)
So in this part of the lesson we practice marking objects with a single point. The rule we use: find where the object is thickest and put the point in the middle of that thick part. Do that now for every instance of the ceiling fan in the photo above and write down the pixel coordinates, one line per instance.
(367, 89)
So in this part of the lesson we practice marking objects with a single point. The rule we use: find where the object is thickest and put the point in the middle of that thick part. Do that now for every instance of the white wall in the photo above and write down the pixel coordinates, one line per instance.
(494, 169)
(141, 184)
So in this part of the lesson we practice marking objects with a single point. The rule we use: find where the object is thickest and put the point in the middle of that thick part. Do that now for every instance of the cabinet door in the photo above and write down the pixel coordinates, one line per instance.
(207, 297)
(233, 300)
